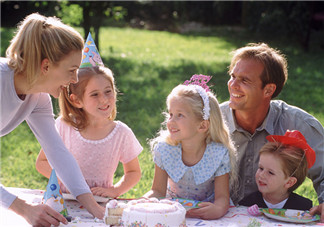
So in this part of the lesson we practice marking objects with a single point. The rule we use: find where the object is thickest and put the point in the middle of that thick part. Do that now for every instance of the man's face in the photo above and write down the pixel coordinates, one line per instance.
(245, 85)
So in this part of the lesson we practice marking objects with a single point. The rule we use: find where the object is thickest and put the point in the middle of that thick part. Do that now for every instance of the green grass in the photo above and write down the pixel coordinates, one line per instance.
(147, 65)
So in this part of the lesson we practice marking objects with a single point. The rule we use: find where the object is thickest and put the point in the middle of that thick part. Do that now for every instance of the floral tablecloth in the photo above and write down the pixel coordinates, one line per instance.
(236, 216)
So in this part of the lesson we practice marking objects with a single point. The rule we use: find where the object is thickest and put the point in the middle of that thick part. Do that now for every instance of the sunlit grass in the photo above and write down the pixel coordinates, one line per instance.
(163, 49)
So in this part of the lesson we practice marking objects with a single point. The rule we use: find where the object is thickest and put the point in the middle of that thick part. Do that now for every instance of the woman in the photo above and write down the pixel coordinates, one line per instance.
(42, 59)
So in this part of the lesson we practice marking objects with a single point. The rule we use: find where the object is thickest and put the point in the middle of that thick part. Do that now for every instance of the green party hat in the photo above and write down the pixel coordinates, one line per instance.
(90, 54)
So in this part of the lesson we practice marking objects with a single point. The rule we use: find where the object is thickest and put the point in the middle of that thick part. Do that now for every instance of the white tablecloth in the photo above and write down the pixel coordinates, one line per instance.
(236, 216)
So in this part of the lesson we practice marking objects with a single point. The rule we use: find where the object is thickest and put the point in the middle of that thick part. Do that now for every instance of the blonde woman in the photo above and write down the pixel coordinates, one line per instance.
(193, 155)
(42, 59)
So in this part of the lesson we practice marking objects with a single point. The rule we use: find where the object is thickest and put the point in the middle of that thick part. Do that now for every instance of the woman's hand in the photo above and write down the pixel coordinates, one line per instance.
(37, 215)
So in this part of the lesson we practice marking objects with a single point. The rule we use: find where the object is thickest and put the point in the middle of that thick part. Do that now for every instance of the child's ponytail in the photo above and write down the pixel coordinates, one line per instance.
(24, 51)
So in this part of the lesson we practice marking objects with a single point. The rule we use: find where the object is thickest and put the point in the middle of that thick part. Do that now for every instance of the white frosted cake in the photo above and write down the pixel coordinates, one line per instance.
(154, 213)
(114, 211)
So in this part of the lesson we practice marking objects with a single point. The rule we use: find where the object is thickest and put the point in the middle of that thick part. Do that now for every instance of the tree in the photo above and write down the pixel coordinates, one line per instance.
(94, 14)
(293, 19)
(12, 12)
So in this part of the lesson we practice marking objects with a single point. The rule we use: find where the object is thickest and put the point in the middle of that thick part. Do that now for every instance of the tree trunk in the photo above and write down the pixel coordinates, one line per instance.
(86, 20)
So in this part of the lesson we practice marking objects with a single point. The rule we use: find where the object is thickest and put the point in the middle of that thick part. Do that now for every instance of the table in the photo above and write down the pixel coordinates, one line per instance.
(236, 216)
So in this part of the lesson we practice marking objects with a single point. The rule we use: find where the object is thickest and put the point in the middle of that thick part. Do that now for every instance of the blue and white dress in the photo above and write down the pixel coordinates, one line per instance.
(192, 182)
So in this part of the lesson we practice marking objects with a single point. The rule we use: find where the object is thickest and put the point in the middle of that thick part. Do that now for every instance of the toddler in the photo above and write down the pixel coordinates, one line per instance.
(282, 168)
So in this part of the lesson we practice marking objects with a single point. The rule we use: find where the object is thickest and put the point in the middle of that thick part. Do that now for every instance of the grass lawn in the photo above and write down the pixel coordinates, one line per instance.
(147, 65)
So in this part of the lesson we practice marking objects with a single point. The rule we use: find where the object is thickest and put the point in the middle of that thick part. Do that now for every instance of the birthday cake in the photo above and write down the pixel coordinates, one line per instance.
(114, 211)
(154, 213)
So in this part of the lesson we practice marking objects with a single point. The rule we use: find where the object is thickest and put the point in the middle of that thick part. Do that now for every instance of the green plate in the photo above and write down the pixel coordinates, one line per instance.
(289, 215)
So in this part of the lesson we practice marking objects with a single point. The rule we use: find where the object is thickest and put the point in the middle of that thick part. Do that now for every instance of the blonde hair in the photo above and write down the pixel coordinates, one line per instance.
(293, 160)
(37, 38)
(217, 132)
(275, 64)
(76, 116)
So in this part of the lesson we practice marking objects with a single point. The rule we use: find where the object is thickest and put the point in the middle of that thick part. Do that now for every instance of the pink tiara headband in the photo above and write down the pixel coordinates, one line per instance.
(200, 83)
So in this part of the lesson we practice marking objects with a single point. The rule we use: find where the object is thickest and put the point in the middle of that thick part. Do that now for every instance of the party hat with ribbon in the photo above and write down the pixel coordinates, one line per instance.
(296, 138)
(90, 54)
(53, 196)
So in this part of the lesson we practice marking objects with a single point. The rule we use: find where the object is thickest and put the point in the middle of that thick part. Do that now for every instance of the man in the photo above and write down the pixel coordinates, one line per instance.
(257, 75)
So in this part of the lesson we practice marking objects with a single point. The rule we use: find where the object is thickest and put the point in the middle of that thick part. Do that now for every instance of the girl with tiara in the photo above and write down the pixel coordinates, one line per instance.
(89, 130)
(193, 153)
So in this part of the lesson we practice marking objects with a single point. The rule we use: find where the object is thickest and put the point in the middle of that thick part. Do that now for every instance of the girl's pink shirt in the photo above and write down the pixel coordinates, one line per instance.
(98, 159)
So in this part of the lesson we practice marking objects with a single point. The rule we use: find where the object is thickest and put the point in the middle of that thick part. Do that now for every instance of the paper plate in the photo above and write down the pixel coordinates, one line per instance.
(99, 199)
(288, 215)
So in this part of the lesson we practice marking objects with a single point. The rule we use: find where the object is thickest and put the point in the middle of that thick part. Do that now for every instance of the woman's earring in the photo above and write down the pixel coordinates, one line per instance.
(68, 90)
